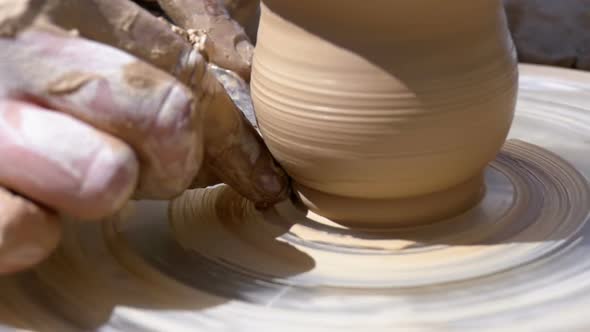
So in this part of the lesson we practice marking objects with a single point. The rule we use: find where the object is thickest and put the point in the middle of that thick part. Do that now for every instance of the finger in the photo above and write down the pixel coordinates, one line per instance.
(116, 93)
(234, 152)
(28, 234)
(127, 26)
(226, 43)
(63, 163)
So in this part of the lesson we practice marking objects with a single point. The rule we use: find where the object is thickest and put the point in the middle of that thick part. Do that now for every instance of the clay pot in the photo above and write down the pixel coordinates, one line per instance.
(388, 113)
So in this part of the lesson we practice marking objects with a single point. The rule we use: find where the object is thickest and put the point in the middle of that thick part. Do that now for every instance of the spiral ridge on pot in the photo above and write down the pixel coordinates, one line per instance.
(382, 120)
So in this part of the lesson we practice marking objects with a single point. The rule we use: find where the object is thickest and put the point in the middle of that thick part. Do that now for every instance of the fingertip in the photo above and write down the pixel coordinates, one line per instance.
(236, 153)
(117, 93)
(64, 163)
(172, 153)
(110, 181)
(271, 182)
(28, 233)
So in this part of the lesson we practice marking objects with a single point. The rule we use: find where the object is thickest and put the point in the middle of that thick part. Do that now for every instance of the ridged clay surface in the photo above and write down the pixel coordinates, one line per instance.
(369, 114)
(208, 261)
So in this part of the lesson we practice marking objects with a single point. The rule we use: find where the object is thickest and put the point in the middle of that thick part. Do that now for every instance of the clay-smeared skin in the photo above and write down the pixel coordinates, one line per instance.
(99, 101)
(407, 99)
(130, 28)
(68, 74)
(228, 46)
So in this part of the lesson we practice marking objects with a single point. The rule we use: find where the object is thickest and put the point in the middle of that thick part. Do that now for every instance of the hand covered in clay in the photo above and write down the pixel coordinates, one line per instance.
(100, 101)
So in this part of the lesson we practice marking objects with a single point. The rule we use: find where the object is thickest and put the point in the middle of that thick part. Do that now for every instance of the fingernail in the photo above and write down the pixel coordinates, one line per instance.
(270, 183)
(273, 181)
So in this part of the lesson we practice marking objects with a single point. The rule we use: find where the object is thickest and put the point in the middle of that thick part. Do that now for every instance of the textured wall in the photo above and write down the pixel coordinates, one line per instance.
(553, 32)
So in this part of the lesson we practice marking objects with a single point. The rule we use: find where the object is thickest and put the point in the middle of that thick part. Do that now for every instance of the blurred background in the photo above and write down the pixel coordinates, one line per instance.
(551, 32)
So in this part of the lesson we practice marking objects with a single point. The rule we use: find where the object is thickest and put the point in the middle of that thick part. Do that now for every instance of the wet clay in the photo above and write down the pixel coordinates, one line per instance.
(146, 107)
(287, 242)
(383, 119)
(228, 45)
(209, 260)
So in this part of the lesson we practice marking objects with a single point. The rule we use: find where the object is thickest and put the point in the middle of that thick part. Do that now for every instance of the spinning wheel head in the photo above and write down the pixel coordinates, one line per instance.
(210, 261)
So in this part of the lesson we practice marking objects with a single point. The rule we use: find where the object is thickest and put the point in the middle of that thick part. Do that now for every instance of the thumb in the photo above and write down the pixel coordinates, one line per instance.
(234, 152)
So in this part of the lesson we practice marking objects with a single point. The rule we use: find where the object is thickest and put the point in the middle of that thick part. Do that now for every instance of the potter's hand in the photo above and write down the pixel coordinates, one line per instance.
(84, 125)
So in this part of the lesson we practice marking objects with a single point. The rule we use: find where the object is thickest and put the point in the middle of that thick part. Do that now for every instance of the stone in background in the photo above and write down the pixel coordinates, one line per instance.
(551, 32)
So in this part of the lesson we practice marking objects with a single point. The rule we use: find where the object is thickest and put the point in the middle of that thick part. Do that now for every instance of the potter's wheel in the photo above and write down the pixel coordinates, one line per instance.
(520, 260)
